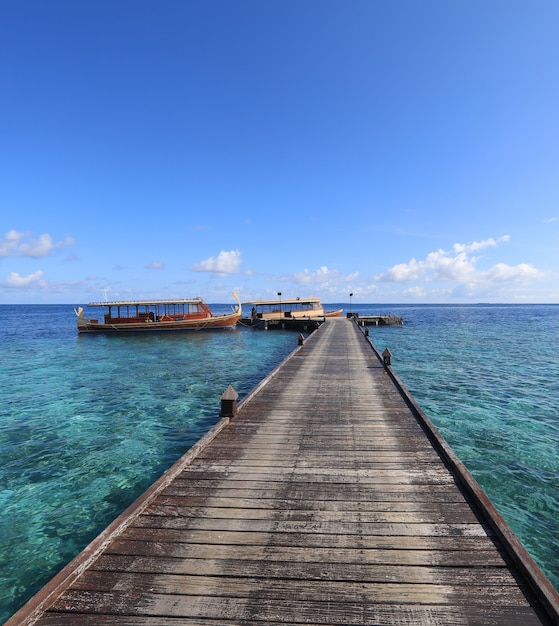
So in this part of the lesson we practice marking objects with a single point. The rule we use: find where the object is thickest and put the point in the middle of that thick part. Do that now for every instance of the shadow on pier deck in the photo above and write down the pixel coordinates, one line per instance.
(328, 499)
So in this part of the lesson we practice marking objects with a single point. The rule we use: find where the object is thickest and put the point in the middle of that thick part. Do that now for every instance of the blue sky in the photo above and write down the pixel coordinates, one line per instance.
(403, 151)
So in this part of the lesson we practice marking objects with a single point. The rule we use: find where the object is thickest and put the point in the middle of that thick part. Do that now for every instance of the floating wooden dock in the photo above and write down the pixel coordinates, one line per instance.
(377, 320)
(328, 499)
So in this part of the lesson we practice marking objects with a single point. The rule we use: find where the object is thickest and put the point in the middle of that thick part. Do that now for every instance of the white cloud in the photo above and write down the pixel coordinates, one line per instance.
(226, 262)
(18, 244)
(518, 273)
(479, 245)
(403, 271)
(156, 265)
(9, 244)
(416, 292)
(322, 277)
(17, 281)
(459, 266)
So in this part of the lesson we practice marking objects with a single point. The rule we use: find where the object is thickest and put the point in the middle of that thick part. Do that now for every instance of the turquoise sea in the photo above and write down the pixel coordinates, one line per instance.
(87, 423)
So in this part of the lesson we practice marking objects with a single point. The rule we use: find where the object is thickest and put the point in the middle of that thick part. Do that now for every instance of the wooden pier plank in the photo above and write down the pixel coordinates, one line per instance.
(285, 611)
(321, 502)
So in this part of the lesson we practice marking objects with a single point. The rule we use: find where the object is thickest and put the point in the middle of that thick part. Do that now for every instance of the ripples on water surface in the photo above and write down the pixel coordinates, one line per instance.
(88, 422)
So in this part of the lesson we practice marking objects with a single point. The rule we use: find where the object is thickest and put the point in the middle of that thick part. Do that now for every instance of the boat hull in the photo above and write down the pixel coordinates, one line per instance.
(337, 313)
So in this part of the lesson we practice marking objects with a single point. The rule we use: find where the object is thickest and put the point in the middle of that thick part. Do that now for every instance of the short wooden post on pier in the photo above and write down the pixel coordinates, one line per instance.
(229, 402)
(300, 339)
(386, 357)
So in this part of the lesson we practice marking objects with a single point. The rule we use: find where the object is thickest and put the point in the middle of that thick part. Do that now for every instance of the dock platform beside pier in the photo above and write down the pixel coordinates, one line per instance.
(389, 319)
(329, 498)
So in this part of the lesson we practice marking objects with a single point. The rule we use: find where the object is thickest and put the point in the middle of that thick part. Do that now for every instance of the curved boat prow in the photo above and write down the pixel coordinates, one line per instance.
(239, 307)
(82, 321)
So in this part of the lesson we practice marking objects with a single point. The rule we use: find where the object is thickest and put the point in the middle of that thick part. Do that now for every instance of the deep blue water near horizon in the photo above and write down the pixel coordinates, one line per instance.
(87, 423)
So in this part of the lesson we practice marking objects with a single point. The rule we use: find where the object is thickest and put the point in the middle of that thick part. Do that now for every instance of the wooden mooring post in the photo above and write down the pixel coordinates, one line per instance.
(229, 402)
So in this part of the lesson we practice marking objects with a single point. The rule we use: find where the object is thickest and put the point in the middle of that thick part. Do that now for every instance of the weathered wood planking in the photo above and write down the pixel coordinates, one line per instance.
(324, 501)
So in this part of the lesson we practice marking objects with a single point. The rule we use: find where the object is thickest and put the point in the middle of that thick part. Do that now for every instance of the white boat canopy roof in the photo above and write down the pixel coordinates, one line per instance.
(283, 301)
(146, 302)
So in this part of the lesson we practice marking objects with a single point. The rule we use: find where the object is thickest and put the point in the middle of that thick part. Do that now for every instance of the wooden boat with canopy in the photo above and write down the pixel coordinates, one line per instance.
(155, 315)
(285, 310)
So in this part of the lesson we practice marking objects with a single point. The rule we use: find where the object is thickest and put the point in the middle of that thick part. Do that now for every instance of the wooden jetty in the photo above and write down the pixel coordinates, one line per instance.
(329, 498)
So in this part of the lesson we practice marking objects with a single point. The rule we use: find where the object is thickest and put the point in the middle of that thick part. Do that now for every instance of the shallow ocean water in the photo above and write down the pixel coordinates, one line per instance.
(87, 423)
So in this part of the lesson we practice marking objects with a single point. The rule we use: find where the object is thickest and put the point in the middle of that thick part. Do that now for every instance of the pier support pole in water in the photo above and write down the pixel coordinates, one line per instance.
(386, 356)
(300, 339)
(229, 402)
